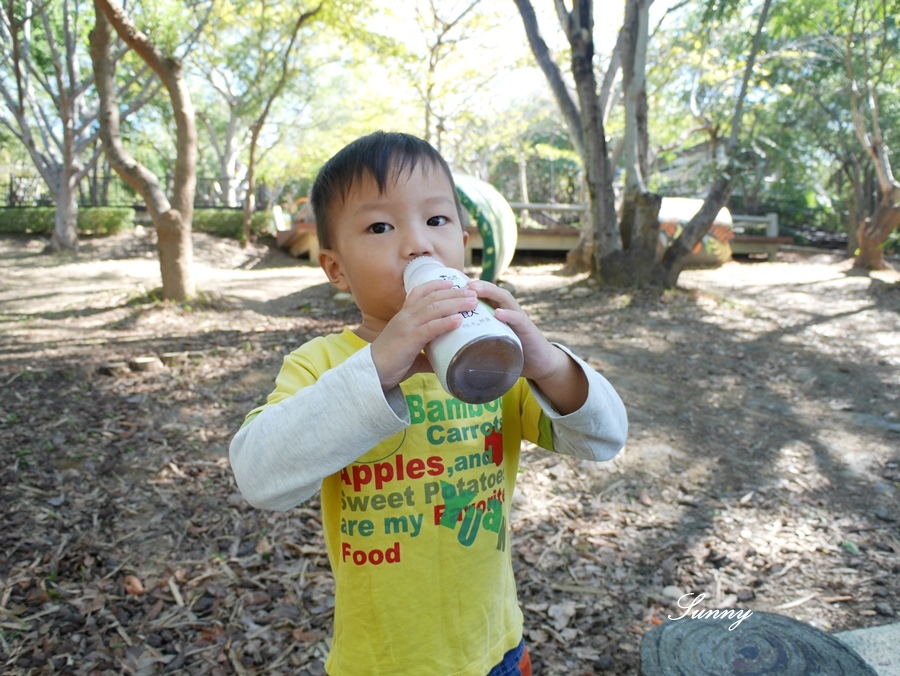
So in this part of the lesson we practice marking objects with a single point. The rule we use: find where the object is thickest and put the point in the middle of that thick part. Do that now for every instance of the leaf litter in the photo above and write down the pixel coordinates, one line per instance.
(761, 471)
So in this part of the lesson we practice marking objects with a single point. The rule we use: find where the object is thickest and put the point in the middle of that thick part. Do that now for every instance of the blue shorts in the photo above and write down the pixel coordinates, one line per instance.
(516, 662)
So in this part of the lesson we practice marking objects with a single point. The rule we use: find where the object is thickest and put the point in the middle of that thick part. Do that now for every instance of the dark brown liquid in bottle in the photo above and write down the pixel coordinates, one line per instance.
(485, 369)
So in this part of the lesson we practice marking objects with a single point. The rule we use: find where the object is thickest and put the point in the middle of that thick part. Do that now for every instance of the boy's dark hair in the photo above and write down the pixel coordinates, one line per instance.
(382, 155)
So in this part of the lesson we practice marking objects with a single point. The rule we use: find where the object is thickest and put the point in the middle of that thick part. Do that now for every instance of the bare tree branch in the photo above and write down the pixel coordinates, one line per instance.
(554, 76)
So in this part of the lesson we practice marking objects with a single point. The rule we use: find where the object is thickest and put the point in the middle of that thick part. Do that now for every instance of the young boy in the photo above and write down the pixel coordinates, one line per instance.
(416, 486)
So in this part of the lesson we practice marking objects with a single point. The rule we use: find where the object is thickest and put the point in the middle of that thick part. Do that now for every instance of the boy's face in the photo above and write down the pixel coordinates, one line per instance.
(375, 235)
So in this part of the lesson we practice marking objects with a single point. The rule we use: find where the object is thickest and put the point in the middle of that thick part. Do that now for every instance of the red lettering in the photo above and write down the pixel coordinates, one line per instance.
(494, 443)
(398, 469)
(435, 465)
(384, 472)
(392, 555)
(362, 475)
(439, 511)
(375, 556)
(416, 468)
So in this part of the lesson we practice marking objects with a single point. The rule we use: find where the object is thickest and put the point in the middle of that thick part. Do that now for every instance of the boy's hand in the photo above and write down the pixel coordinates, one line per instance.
(559, 377)
(430, 310)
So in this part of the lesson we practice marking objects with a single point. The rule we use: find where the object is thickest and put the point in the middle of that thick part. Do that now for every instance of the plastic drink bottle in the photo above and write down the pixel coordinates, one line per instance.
(481, 359)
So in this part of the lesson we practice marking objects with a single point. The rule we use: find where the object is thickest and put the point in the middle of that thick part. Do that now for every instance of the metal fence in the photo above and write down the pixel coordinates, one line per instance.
(29, 190)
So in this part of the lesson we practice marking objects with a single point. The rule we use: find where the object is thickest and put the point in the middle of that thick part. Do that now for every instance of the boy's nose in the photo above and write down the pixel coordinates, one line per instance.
(416, 242)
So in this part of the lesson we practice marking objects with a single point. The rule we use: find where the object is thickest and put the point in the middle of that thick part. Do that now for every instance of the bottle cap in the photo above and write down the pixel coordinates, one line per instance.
(425, 269)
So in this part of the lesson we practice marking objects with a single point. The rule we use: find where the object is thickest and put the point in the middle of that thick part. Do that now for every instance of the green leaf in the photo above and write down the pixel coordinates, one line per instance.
(849, 547)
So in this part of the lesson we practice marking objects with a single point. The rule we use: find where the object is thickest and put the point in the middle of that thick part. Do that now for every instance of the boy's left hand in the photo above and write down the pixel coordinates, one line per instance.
(542, 359)
(558, 376)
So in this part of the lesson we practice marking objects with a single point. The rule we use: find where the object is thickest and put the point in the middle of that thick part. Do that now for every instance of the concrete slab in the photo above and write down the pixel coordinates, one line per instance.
(879, 646)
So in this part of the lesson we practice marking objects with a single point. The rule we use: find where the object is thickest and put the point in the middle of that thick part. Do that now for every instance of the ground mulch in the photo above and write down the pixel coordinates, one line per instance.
(762, 469)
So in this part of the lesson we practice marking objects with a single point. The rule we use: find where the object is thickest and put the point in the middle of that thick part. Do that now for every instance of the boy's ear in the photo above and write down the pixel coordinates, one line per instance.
(330, 262)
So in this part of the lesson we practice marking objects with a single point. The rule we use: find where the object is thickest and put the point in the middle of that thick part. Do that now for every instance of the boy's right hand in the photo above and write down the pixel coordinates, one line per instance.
(429, 311)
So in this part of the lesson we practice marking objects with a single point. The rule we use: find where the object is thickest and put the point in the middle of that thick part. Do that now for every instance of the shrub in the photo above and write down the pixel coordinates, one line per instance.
(230, 222)
(111, 220)
(27, 220)
(105, 220)
(40, 220)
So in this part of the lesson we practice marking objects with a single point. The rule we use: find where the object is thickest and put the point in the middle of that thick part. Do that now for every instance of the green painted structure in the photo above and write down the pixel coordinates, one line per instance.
(495, 221)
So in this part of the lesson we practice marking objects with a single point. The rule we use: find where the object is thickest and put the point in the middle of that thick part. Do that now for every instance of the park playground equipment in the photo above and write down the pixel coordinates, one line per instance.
(496, 236)
(493, 218)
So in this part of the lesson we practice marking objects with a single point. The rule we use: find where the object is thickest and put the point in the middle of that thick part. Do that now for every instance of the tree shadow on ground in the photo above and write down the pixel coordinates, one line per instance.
(752, 475)
(775, 490)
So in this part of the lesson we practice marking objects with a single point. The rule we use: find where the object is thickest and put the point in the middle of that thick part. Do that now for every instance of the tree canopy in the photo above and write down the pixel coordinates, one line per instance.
(818, 120)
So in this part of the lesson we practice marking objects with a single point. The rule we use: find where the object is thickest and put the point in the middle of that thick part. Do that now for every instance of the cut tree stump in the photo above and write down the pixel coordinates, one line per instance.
(762, 643)
(145, 364)
(113, 368)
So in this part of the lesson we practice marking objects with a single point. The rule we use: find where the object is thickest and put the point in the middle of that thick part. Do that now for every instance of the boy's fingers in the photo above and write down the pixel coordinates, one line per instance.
(498, 296)
(443, 303)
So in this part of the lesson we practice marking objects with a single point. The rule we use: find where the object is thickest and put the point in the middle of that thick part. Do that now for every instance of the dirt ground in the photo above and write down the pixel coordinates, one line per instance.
(762, 467)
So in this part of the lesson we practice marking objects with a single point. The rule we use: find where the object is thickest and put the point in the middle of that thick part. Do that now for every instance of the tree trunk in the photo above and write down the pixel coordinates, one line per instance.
(65, 227)
(873, 233)
(855, 200)
(598, 172)
(257, 126)
(635, 266)
(634, 36)
(172, 220)
(554, 77)
(250, 200)
(586, 125)
(675, 257)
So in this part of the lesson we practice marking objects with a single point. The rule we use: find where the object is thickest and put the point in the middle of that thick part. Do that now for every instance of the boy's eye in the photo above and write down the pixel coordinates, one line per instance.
(379, 228)
(438, 220)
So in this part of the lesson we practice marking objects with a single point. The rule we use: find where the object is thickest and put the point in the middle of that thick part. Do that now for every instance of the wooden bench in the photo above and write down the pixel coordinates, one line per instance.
(300, 239)
(758, 244)
(530, 239)
(747, 243)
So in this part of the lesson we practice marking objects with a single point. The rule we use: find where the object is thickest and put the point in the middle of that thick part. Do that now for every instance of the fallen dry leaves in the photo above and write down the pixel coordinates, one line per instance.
(762, 471)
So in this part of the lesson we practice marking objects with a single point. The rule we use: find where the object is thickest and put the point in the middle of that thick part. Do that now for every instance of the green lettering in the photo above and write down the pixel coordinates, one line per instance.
(455, 409)
(416, 405)
(436, 412)
(431, 490)
(355, 503)
(393, 524)
(435, 435)
(475, 410)
(454, 502)
(468, 529)
(501, 535)
(494, 518)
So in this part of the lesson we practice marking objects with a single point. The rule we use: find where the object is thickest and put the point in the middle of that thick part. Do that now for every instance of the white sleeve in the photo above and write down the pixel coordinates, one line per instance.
(281, 456)
(596, 431)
